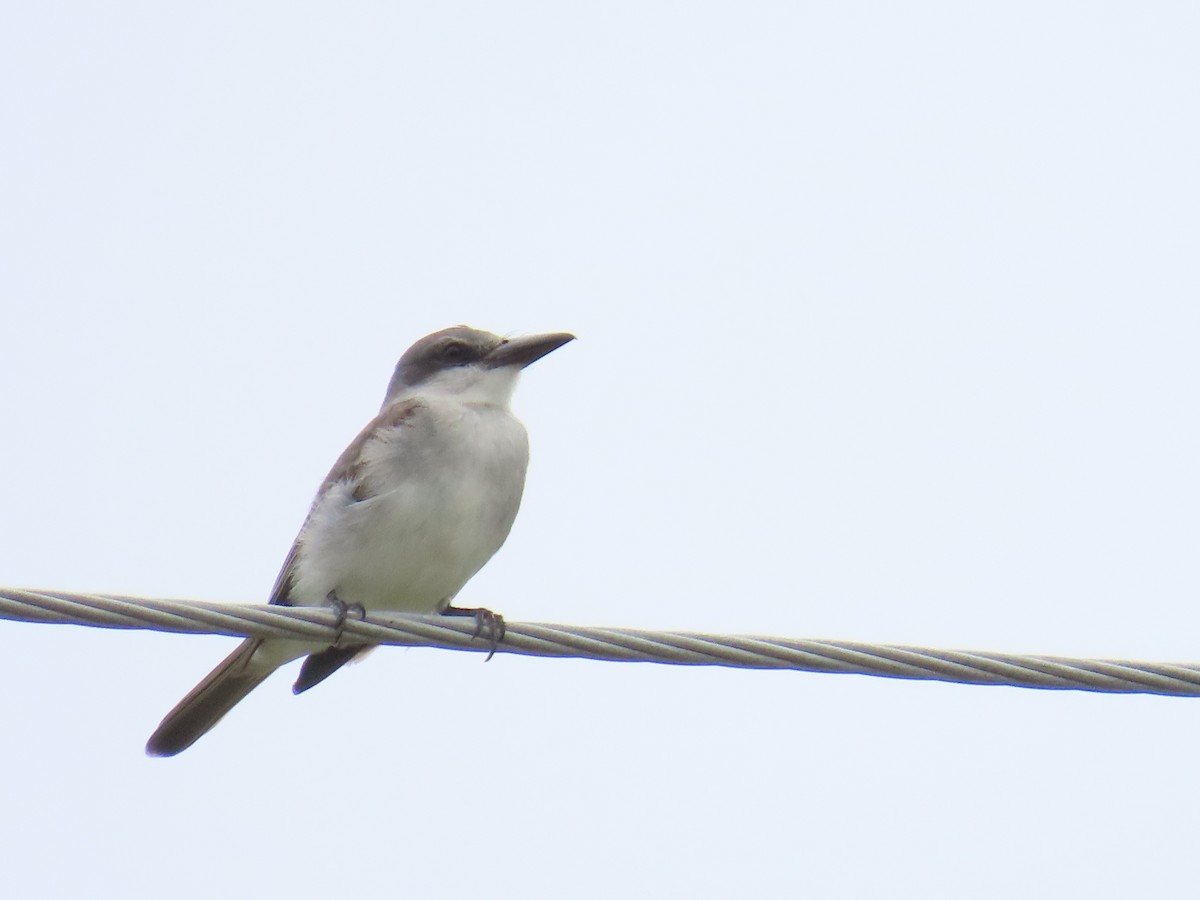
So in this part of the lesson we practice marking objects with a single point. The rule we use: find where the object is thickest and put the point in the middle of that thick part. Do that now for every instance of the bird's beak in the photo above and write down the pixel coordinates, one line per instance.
(522, 351)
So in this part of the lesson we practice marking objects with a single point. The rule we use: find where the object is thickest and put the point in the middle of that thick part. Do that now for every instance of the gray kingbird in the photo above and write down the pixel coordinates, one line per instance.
(413, 508)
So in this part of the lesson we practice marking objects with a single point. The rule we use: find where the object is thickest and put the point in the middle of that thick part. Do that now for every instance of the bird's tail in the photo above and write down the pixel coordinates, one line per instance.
(221, 690)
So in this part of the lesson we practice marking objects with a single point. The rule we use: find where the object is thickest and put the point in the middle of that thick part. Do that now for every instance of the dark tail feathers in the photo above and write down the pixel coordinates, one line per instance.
(208, 701)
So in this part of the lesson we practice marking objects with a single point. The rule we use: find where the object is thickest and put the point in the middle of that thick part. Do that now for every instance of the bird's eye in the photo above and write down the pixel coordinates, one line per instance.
(454, 350)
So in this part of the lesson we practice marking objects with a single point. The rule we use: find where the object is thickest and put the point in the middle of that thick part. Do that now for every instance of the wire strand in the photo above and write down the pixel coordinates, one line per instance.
(319, 625)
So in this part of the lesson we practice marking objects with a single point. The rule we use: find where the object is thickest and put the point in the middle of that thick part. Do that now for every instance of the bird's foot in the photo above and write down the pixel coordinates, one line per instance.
(487, 623)
(341, 609)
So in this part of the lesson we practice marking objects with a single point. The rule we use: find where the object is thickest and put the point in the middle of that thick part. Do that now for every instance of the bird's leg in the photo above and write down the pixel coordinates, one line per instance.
(340, 610)
(485, 621)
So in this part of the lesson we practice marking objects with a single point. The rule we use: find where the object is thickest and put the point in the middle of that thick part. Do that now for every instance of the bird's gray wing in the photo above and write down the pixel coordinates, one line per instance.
(347, 468)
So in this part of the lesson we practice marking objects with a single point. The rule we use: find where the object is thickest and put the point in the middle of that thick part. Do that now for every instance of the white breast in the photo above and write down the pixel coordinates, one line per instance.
(444, 490)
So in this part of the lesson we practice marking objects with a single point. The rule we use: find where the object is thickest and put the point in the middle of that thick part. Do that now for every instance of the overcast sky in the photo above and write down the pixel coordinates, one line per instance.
(888, 319)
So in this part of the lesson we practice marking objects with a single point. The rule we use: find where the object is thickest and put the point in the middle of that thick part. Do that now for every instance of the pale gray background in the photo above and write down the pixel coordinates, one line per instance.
(888, 320)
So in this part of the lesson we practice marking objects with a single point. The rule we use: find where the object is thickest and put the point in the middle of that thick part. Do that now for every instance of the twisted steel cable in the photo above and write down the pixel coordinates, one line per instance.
(612, 644)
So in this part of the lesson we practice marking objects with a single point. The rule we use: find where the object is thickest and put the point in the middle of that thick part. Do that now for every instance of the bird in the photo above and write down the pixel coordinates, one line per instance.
(417, 503)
